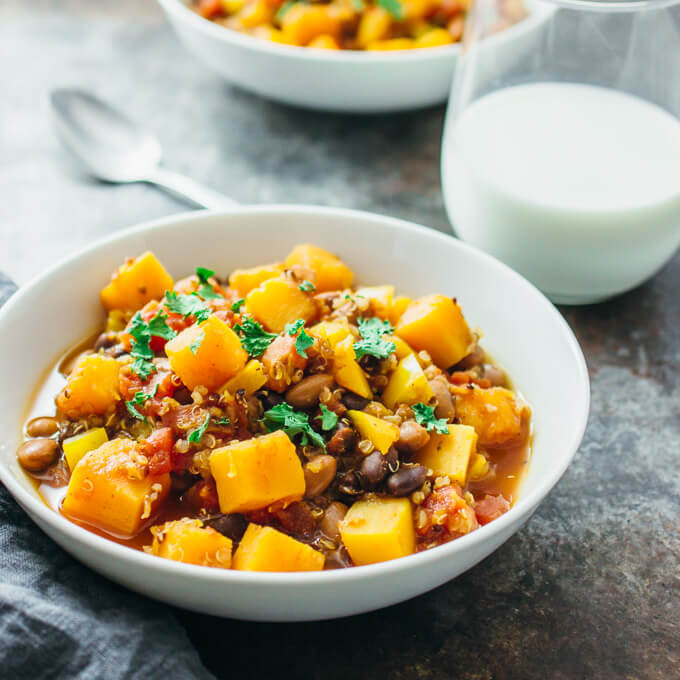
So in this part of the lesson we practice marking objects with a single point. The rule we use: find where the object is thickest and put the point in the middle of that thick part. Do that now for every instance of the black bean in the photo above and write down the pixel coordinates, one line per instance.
(349, 484)
(104, 341)
(269, 399)
(183, 395)
(354, 401)
(374, 469)
(406, 480)
(232, 526)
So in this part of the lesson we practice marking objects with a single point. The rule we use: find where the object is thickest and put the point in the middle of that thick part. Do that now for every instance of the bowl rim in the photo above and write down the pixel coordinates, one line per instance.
(180, 10)
(520, 511)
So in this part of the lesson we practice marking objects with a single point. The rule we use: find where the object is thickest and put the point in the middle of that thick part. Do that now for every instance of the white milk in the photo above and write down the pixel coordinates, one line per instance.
(557, 179)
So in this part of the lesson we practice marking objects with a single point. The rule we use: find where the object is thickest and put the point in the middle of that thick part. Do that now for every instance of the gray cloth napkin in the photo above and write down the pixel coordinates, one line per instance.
(58, 619)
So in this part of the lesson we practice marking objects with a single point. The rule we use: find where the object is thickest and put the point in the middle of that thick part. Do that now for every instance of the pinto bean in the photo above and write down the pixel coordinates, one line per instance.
(319, 473)
(42, 427)
(406, 480)
(412, 437)
(334, 513)
(445, 408)
(36, 455)
(475, 358)
(305, 394)
(495, 375)
(104, 341)
(342, 440)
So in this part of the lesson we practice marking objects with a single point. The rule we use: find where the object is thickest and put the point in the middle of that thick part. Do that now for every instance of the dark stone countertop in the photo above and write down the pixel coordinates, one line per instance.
(589, 588)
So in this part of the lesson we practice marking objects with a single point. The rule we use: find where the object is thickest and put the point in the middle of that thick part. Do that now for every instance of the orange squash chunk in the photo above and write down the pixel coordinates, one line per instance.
(244, 280)
(256, 473)
(435, 324)
(302, 23)
(331, 272)
(277, 302)
(266, 549)
(112, 489)
(206, 354)
(187, 540)
(136, 282)
(92, 387)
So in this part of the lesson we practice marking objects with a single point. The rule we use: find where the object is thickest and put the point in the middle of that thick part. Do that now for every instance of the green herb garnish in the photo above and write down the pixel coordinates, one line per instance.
(140, 398)
(372, 342)
(425, 416)
(196, 435)
(328, 419)
(236, 306)
(221, 421)
(284, 8)
(394, 7)
(307, 286)
(303, 341)
(205, 290)
(141, 349)
(197, 342)
(284, 417)
(255, 339)
(204, 274)
(187, 305)
(358, 5)
(158, 326)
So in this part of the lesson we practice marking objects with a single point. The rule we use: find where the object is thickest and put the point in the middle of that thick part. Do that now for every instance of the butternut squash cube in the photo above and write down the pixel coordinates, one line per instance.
(280, 361)
(331, 272)
(346, 369)
(498, 416)
(187, 540)
(435, 38)
(266, 549)
(256, 473)
(374, 25)
(390, 45)
(302, 23)
(250, 379)
(244, 280)
(76, 447)
(402, 349)
(435, 323)
(450, 454)
(111, 488)
(91, 388)
(380, 298)
(407, 384)
(255, 13)
(380, 432)
(332, 331)
(206, 354)
(399, 306)
(324, 42)
(277, 302)
(378, 529)
(136, 282)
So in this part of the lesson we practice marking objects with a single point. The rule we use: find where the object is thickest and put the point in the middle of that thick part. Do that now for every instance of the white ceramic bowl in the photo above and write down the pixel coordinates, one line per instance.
(346, 81)
(522, 330)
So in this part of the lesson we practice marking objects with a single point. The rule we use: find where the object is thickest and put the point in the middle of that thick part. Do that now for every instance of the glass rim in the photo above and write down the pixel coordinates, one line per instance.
(613, 5)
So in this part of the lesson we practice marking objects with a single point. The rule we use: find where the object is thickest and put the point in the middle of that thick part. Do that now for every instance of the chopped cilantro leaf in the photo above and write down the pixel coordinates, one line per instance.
(284, 8)
(307, 286)
(284, 417)
(328, 419)
(394, 7)
(204, 274)
(293, 327)
(372, 342)
(255, 339)
(158, 326)
(303, 341)
(142, 368)
(197, 342)
(196, 435)
(236, 306)
(425, 417)
(221, 421)
(207, 292)
(139, 399)
(140, 347)
(187, 305)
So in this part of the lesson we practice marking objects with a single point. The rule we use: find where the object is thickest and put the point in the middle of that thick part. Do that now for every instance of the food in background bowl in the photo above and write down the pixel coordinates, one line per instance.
(281, 420)
(351, 24)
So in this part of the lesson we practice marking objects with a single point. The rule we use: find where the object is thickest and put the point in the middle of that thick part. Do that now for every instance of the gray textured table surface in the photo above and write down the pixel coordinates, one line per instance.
(589, 588)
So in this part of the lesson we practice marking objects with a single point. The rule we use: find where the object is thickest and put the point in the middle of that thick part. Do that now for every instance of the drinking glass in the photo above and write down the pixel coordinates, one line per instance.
(561, 149)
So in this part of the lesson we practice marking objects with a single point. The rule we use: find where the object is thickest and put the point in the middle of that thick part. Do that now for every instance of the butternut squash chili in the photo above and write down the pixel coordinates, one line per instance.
(282, 420)
(352, 24)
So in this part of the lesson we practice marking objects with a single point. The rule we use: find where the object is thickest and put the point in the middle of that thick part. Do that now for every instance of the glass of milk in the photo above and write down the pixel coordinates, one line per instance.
(561, 150)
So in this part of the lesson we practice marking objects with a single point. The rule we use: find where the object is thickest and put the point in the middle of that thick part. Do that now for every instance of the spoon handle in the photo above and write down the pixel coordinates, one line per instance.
(189, 190)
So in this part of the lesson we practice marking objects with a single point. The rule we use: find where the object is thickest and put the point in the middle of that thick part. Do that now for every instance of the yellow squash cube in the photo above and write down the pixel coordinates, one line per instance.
(244, 280)
(331, 272)
(332, 331)
(346, 369)
(402, 349)
(266, 549)
(111, 488)
(136, 282)
(257, 473)
(435, 38)
(378, 529)
(378, 431)
(91, 388)
(374, 25)
(250, 379)
(399, 306)
(450, 454)
(277, 302)
(187, 540)
(380, 298)
(206, 354)
(302, 23)
(407, 384)
(76, 447)
(435, 323)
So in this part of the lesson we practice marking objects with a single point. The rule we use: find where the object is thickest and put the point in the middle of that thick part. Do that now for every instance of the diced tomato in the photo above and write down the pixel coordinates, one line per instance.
(490, 508)
(159, 447)
(446, 507)
(175, 321)
(296, 519)
(209, 8)
(129, 383)
(467, 377)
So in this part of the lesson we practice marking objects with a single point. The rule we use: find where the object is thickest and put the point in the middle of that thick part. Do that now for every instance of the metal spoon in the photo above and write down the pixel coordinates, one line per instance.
(115, 149)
